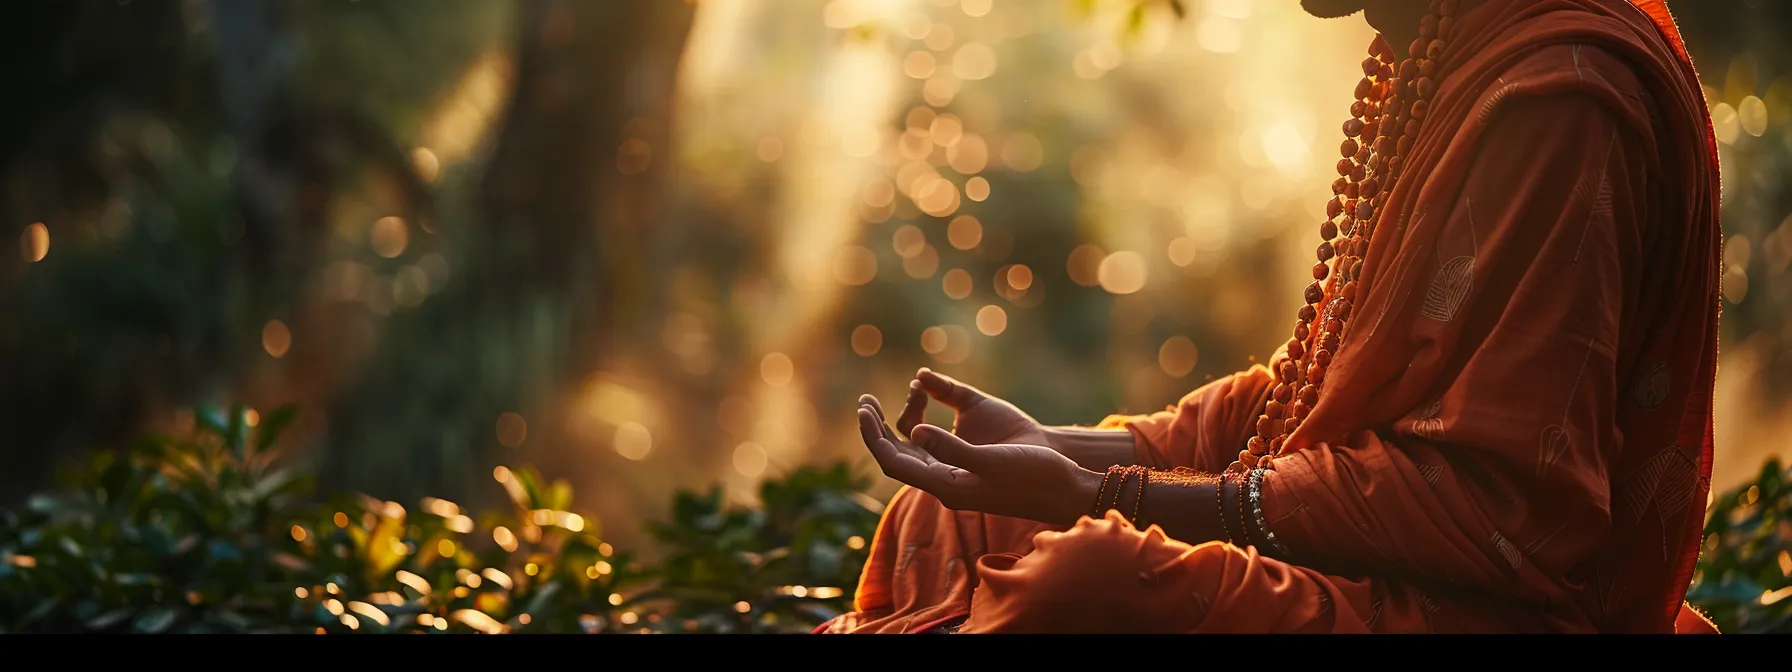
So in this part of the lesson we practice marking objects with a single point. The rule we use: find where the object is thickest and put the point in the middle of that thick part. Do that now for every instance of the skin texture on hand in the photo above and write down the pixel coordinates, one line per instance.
(1031, 482)
(999, 460)
(983, 419)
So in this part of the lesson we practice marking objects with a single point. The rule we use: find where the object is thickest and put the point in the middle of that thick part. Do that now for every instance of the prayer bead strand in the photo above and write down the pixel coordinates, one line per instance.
(1381, 131)
(1219, 505)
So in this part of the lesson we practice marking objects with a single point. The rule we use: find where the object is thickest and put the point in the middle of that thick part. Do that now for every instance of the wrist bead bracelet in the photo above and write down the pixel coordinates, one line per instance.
(1101, 494)
(1138, 500)
(1108, 499)
(1245, 536)
(1219, 502)
(1271, 544)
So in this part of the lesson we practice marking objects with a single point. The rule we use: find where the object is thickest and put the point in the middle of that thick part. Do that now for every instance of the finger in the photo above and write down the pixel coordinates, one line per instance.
(884, 427)
(948, 448)
(892, 461)
(949, 391)
(914, 409)
(874, 404)
(871, 402)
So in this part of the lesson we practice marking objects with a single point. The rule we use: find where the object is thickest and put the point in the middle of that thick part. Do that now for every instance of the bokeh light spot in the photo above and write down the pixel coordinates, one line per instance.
(276, 339)
(908, 241)
(1084, 265)
(964, 232)
(1182, 251)
(34, 242)
(1122, 273)
(776, 369)
(512, 429)
(389, 237)
(867, 340)
(1178, 356)
(1023, 152)
(633, 441)
(854, 265)
(923, 265)
(957, 283)
(992, 320)
(749, 459)
(977, 189)
(933, 340)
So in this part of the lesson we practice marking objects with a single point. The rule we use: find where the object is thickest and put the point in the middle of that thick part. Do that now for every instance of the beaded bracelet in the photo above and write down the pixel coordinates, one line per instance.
(1274, 546)
(1139, 499)
(1245, 538)
(1095, 510)
(1120, 473)
(1219, 502)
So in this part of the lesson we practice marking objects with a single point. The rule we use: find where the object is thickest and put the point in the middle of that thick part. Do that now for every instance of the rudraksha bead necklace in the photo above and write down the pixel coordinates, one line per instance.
(1390, 107)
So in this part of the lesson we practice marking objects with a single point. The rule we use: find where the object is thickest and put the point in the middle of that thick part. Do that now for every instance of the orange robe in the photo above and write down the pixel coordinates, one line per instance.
(1516, 435)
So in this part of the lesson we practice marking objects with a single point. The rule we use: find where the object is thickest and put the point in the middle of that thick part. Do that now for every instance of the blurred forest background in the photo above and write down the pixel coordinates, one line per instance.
(651, 245)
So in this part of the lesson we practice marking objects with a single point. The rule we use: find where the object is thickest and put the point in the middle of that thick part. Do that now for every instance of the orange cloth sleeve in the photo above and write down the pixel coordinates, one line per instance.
(1203, 430)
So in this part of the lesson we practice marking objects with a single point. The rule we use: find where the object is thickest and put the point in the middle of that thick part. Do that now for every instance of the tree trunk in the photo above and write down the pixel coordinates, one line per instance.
(566, 200)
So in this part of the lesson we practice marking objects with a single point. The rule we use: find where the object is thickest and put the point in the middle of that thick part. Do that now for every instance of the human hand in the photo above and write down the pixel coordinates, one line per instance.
(1015, 480)
(978, 417)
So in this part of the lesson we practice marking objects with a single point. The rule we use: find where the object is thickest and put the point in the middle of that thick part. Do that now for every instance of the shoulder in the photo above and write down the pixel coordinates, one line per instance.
(1579, 83)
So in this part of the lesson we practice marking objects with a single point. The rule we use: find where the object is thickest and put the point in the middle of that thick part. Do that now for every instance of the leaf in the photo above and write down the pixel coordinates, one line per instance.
(384, 548)
(291, 563)
(283, 482)
(106, 620)
(134, 579)
(186, 543)
(41, 610)
(156, 620)
(231, 619)
(558, 496)
(273, 424)
(236, 433)
(43, 503)
(223, 550)
(531, 483)
(538, 605)
(211, 419)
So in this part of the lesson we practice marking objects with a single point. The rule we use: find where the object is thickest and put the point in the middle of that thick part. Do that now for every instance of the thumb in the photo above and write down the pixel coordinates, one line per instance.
(947, 447)
(949, 391)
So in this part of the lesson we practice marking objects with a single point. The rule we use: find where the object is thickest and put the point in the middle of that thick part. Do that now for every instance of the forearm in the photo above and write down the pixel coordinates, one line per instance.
(1094, 449)
(1187, 506)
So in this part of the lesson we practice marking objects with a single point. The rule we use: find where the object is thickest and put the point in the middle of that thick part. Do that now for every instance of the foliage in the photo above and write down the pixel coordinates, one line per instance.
(1744, 580)
(205, 535)
(785, 567)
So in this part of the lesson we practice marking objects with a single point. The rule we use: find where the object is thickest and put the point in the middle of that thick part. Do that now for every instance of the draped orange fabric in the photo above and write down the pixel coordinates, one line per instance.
(1516, 434)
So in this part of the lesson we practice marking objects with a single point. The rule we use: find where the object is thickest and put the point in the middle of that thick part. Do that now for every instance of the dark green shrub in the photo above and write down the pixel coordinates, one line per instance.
(203, 534)
(1744, 580)
(785, 567)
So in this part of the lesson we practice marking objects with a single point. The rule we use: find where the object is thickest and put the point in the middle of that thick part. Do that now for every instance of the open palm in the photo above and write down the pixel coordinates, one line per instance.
(1015, 480)
(980, 419)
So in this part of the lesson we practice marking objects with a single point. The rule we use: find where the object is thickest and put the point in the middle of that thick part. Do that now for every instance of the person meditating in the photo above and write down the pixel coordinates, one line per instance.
(1493, 414)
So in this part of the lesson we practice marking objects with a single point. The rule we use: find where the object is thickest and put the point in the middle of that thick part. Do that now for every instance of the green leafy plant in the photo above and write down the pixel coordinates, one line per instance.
(786, 567)
(204, 534)
(1744, 579)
